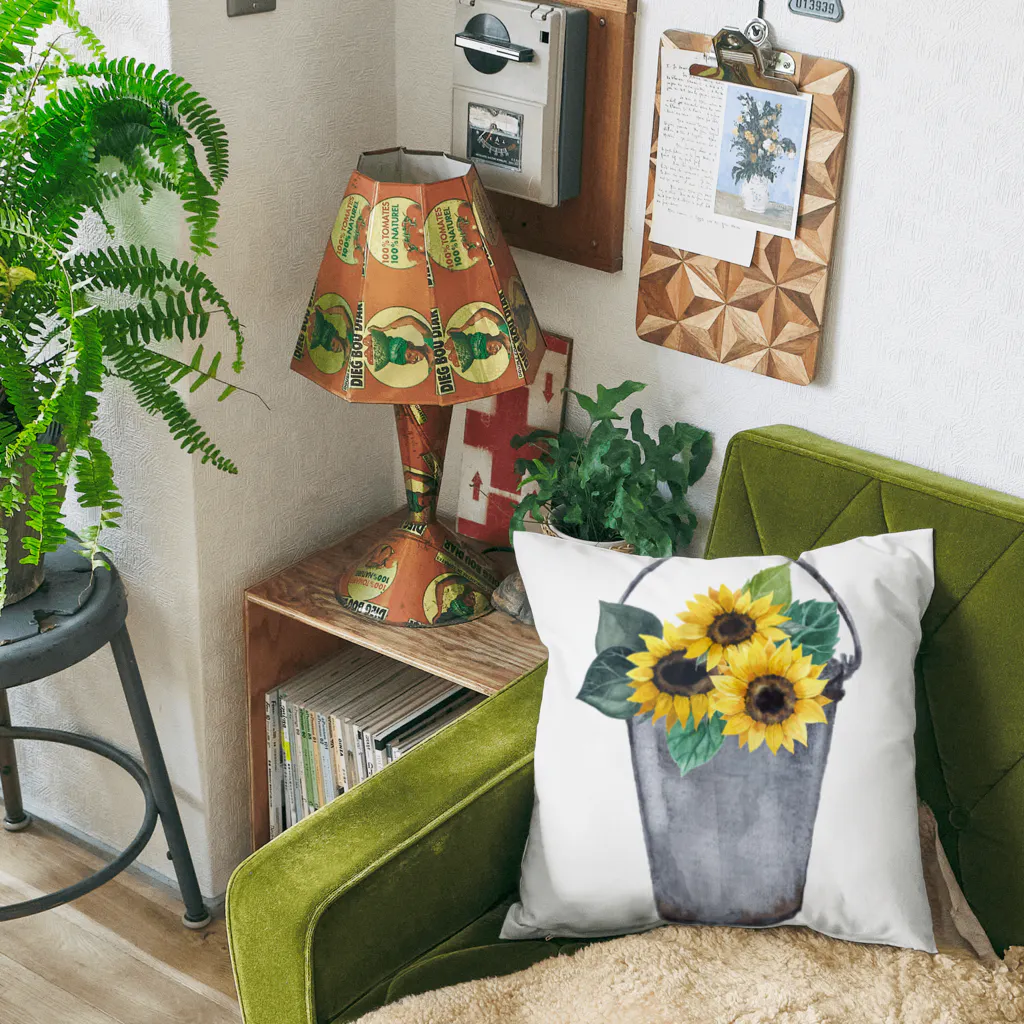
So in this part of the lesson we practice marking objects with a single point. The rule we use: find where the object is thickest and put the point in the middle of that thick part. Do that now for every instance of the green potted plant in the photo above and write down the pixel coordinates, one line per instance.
(614, 486)
(74, 135)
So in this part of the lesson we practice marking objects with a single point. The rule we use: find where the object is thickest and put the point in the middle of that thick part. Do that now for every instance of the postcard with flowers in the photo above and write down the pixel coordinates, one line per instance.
(761, 158)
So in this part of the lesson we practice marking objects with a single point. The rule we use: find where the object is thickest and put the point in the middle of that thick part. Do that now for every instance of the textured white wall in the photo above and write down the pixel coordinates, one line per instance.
(302, 91)
(155, 550)
(923, 354)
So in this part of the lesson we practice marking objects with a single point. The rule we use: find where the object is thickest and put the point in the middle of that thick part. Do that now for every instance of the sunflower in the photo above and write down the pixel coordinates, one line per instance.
(724, 619)
(769, 694)
(669, 683)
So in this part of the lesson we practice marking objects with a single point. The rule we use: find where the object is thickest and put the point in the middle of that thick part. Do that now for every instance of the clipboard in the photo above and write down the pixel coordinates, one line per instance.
(765, 318)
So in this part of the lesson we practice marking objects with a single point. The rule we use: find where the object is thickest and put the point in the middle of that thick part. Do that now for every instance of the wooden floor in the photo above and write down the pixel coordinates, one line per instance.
(117, 956)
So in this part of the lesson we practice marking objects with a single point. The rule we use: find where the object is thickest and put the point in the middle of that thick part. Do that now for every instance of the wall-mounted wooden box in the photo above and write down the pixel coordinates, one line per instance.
(588, 229)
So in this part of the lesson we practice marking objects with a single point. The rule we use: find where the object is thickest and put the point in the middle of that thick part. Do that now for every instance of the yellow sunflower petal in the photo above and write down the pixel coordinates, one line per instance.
(742, 603)
(821, 701)
(682, 708)
(675, 637)
(643, 659)
(762, 606)
(699, 707)
(647, 706)
(714, 655)
(787, 742)
(700, 614)
(773, 737)
(645, 692)
(795, 729)
(809, 711)
(641, 675)
(755, 735)
(738, 724)
(729, 686)
(698, 647)
(743, 739)
(692, 631)
(656, 645)
(726, 598)
(670, 716)
(729, 705)
(771, 633)
(781, 659)
(809, 688)
(661, 707)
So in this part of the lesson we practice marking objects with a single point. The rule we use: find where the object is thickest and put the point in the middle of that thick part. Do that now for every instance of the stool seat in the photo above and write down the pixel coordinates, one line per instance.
(74, 613)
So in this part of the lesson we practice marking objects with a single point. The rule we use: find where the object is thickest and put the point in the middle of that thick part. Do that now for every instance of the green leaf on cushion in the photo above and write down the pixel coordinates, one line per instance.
(774, 581)
(606, 685)
(814, 625)
(620, 625)
(691, 746)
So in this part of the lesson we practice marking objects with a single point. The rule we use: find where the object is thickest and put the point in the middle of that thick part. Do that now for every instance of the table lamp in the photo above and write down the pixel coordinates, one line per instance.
(418, 304)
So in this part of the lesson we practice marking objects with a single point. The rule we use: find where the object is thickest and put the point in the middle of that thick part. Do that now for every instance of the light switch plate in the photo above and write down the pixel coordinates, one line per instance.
(238, 7)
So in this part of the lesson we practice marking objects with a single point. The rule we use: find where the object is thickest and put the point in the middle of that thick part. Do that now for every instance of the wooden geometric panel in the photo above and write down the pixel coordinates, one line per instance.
(765, 318)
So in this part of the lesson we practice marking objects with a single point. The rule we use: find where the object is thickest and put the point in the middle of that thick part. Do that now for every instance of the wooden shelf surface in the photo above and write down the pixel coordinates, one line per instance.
(485, 654)
(293, 621)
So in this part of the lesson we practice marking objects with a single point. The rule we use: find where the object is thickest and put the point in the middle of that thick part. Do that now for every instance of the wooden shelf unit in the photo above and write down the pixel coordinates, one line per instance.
(293, 621)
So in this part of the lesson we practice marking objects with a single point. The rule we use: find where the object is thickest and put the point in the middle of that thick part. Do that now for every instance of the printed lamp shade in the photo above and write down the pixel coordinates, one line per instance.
(418, 304)
(418, 300)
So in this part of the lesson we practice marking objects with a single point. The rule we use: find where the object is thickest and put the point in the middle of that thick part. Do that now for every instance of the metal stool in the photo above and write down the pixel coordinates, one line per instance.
(71, 616)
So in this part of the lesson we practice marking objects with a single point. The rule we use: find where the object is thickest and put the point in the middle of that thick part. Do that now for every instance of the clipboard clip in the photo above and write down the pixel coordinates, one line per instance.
(747, 57)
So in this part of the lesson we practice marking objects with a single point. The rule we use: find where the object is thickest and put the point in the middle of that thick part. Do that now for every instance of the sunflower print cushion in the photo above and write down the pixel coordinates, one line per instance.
(727, 742)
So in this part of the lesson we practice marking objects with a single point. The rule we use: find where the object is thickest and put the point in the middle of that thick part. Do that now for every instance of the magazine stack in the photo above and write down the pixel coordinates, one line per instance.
(334, 725)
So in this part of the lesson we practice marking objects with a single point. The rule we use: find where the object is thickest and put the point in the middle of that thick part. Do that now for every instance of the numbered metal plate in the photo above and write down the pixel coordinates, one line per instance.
(829, 10)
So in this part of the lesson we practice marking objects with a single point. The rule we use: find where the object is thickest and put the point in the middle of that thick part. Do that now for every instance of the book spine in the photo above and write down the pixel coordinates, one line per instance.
(286, 752)
(273, 763)
(298, 749)
(308, 761)
(338, 752)
(351, 757)
(326, 761)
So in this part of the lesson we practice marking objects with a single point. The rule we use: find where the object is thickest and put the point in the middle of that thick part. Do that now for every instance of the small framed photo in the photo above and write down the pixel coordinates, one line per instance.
(761, 158)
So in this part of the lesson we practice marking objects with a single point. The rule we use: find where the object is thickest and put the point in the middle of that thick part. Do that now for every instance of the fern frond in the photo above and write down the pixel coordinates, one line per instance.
(142, 273)
(44, 515)
(143, 371)
(68, 13)
(20, 23)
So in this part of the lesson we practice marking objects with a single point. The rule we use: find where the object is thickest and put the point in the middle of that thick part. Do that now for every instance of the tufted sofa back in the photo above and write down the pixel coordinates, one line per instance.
(783, 491)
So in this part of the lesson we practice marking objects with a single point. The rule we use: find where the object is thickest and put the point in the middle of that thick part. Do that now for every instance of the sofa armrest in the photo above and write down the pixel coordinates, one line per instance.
(342, 900)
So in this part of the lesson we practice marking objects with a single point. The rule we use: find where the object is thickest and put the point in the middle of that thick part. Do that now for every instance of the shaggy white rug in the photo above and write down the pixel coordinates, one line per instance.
(732, 976)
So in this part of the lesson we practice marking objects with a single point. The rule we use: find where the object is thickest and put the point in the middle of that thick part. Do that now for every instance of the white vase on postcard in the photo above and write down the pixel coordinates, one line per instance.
(755, 194)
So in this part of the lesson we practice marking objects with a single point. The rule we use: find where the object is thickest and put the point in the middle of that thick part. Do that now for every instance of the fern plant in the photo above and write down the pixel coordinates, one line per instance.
(75, 134)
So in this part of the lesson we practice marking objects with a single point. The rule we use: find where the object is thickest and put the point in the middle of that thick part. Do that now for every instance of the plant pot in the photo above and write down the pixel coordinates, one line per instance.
(728, 842)
(551, 528)
(22, 580)
(756, 193)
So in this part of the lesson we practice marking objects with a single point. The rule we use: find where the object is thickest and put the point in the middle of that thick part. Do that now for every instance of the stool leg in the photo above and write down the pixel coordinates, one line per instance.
(15, 818)
(196, 914)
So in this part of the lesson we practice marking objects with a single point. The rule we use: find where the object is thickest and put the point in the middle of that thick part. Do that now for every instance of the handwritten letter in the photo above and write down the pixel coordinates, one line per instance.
(689, 138)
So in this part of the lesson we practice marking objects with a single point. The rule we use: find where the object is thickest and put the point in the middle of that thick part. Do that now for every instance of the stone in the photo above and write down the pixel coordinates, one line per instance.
(510, 598)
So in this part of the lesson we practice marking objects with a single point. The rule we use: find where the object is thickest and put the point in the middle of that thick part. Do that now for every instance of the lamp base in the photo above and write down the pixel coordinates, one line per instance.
(418, 575)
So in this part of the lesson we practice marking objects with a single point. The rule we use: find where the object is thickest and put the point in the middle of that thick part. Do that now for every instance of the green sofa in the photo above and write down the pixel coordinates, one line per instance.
(401, 885)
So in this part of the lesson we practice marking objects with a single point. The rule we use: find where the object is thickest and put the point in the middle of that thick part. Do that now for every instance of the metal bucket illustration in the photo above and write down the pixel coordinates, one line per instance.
(729, 841)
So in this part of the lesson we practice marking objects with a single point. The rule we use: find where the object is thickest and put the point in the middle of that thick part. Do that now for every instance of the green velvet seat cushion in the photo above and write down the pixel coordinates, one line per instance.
(471, 953)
